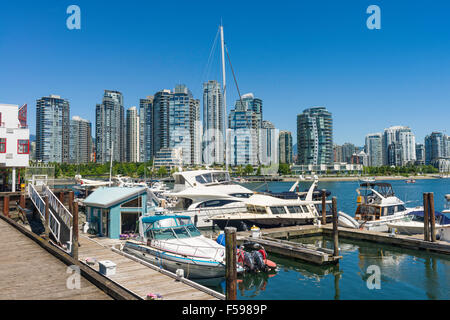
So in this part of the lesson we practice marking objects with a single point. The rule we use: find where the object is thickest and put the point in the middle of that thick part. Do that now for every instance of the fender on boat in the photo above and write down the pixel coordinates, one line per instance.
(344, 220)
(270, 264)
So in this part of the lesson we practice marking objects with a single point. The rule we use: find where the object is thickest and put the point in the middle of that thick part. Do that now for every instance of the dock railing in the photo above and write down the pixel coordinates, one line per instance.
(54, 224)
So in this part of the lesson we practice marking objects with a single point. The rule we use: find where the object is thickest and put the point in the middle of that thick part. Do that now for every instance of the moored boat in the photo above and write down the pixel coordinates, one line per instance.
(414, 223)
(173, 242)
(377, 206)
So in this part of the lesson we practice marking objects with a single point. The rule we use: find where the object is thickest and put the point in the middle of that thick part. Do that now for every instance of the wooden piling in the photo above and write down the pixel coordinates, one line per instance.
(426, 234)
(335, 228)
(75, 230)
(230, 254)
(6, 206)
(71, 200)
(61, 197)
(432, 217)
(47, 218)
(324, 206)
(22, 201)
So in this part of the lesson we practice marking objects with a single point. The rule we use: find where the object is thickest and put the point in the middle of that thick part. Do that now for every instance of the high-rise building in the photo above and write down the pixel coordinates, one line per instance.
(145, 129)
(337, 152)
(348, 149)
(213, 123)
(132, 135)
(244, 124)
(420, 154)
(374, 149)
(250, 103)
(399, 146)
(110, 128)
(176, 123)
(52, 129)
(285, 146)
(160, 121)
(268, 144)
(80, 140)
(437, 146)
(315, 136)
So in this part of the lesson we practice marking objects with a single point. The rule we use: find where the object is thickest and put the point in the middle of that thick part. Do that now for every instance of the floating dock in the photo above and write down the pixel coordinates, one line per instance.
(414, 242)
(309, 253)
(140, 277)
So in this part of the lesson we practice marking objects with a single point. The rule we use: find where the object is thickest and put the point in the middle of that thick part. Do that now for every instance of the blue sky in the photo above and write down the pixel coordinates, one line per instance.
(291, 54)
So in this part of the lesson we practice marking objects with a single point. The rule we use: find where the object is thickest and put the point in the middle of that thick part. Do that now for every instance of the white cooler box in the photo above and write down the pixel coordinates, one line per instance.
(107, 268)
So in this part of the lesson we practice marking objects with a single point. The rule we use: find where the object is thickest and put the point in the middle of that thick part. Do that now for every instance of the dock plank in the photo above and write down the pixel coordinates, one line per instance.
(30, 272)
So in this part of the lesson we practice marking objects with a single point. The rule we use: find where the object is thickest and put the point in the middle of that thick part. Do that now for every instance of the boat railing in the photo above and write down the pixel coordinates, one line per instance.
(180, 249)
(211, 212)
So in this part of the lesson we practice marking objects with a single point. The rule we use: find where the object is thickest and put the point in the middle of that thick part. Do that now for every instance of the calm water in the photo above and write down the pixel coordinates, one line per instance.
(405, 274)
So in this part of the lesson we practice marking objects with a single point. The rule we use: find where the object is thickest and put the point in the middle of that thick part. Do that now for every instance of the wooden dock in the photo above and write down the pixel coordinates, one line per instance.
(414, 242)
(410, 242)
(30, 272)
(309, 253)
(138, 277)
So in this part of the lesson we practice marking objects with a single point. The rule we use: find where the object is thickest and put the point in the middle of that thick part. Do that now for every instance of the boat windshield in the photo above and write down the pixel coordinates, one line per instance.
(167, 229)
(213, 177)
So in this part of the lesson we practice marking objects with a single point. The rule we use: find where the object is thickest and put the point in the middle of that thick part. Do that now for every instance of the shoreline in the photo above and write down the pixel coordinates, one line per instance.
(378, 178)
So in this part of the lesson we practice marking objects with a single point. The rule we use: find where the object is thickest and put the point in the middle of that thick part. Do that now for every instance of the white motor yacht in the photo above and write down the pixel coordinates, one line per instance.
(266, 211)
(205, 193)
(377, 207)
(173, 242)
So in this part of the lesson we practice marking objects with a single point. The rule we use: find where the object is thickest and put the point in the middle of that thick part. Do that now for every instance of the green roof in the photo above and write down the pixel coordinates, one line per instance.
(106, 197)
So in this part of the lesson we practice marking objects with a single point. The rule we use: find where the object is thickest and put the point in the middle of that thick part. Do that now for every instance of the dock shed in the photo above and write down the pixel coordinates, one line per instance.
(112, 211)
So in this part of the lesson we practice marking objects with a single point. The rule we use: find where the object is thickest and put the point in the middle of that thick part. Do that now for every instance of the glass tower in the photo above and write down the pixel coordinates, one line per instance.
(315, 137)
(52, 129)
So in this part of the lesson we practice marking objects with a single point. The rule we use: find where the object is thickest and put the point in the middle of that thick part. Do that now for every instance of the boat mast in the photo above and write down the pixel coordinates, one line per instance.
(224, 84)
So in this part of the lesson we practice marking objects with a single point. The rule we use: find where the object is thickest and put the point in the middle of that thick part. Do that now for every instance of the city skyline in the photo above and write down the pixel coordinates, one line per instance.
(381, 73)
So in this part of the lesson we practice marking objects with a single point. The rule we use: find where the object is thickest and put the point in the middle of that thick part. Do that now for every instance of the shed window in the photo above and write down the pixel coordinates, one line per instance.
(133, 203)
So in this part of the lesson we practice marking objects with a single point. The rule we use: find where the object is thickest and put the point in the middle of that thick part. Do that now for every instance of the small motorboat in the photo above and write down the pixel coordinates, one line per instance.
(414, 223)
(377, 206)
(410, 181)
(172, 242)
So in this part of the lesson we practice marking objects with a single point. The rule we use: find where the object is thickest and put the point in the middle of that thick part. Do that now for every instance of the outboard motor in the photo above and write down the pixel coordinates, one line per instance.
(248, 262)
(258, 261)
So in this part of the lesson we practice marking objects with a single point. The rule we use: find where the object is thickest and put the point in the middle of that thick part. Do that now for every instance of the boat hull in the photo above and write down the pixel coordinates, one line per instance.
(193, 267)
(243, 224)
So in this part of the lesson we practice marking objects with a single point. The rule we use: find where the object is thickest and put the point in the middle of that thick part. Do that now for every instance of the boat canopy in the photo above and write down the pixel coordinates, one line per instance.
(444, 219)
(385, 189)
(152, 219)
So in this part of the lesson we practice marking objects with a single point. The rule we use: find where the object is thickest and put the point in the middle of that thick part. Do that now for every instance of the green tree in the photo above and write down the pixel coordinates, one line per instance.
(248, 169)
(162, 171)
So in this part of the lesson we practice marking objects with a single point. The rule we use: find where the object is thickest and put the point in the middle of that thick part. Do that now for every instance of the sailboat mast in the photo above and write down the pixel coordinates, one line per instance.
(224, 84)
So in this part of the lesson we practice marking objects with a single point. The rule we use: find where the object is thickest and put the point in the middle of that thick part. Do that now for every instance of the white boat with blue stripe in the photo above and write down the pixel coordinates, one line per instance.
(172, 242)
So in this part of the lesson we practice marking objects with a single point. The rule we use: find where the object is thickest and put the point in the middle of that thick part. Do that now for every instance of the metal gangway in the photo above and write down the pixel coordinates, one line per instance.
(60, 219)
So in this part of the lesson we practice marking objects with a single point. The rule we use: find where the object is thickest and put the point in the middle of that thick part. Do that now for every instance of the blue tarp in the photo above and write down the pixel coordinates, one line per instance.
(443, 219)
(151, 219)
